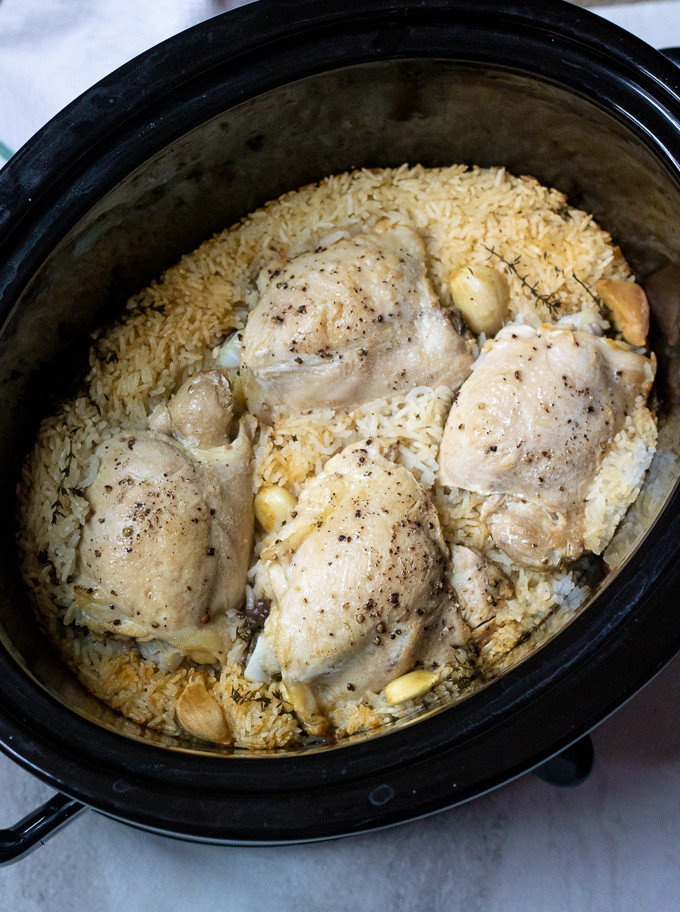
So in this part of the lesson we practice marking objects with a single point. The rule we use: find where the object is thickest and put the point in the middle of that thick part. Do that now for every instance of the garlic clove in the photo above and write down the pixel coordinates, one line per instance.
(200, 715)
(481, 293)
(630, 309)
(273, 507)
(410, 686)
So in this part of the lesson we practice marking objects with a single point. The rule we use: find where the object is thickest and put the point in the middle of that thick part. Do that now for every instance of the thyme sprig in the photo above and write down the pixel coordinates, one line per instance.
(552, 303)
(239, 697)
(62, 491)
(586, 289)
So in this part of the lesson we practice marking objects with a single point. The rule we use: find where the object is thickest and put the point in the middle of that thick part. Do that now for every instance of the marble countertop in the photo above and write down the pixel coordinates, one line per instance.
(612, 843)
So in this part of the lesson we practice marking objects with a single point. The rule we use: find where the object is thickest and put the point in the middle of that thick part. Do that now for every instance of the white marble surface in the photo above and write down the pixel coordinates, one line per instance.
(611, 844)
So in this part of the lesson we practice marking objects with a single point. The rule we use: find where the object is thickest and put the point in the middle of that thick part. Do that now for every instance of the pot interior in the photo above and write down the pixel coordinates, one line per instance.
(375, 114)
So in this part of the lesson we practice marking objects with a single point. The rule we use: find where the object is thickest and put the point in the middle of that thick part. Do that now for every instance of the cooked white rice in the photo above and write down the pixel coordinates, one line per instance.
(169, 331)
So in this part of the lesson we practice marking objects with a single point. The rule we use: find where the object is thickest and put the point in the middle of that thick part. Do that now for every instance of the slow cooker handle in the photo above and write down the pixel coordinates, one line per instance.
(35, 829)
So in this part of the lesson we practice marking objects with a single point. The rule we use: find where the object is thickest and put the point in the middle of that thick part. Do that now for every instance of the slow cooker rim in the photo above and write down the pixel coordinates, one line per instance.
(25, 725)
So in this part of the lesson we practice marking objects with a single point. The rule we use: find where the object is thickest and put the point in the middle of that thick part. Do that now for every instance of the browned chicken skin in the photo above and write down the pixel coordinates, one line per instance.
(355, 321)
(532, 424)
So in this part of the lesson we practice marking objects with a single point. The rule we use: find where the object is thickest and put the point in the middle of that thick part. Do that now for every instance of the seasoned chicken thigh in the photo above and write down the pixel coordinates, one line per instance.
(164, 553)
(532, 424)
(355, 321)
(356, 582)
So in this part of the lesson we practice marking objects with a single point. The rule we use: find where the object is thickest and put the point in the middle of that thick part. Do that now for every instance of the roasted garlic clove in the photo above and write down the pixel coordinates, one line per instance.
(481, 293)
(273, 507)
(410, 686)
(629, 307)
(201, 715)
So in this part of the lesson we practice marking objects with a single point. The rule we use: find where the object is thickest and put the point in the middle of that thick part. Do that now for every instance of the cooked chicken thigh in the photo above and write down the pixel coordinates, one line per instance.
(200, 412)
(356, 582)
(532, 424)
(355, 321)
(164, 553)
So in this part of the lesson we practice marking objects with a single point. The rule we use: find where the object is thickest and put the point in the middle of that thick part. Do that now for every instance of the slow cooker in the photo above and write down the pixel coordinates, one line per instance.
(185, 140)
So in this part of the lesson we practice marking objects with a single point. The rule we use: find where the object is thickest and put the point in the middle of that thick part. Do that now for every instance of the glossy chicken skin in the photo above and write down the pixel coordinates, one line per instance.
(165, 550)
(355, 321)
(357, 586)
(532, 424)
